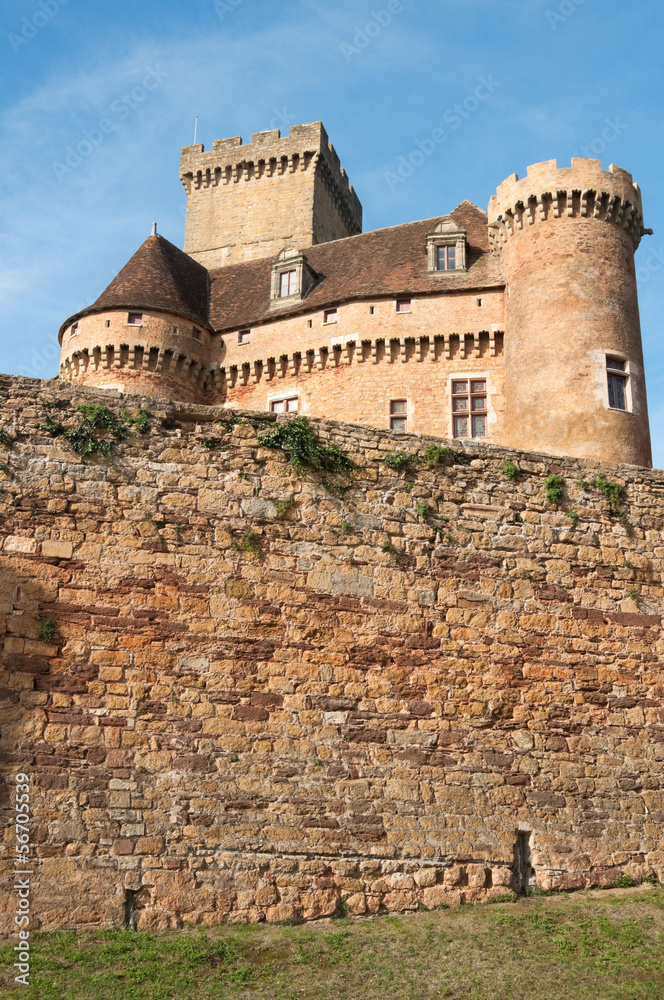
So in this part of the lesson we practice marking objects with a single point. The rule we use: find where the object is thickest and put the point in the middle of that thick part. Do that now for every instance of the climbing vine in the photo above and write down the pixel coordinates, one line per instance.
(98, 428)
(305, 451)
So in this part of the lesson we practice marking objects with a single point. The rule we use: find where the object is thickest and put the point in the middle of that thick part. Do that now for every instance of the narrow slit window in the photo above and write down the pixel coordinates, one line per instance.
(399, 415)
(469, 408)
(617, 376)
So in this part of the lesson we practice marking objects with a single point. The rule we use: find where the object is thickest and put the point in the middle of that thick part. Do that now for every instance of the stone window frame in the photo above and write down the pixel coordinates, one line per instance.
(447, 233)
(74, 330)
(469, 378)
(290, 259)
(244, 336)
(625, 374)
(196, 334)
(396, 415)
(275, 400)
(129, 322)
(405, 301)
(330, 316)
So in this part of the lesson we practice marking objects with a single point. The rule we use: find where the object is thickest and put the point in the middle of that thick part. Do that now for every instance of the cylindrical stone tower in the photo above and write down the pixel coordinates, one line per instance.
(148, 332)
(574, 380)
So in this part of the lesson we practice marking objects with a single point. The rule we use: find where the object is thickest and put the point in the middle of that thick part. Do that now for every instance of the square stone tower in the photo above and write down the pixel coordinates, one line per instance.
(249, 201)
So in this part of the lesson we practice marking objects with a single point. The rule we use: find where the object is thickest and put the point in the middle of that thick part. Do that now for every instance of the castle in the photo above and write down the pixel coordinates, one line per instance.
(240, 691)
(519, 327)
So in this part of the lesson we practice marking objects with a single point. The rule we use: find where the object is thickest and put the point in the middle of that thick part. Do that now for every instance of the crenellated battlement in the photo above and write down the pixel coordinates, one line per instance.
(355, 349)
(583, 190)
(144, 356)
(226, 224)
(268, 154)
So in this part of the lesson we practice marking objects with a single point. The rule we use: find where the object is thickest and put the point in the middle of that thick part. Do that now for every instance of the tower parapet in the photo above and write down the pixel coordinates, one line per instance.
(246, 201)
(583, 190)
(566, 239)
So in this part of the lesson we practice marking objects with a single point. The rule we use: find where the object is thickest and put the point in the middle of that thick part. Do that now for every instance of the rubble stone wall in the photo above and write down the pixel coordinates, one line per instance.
(269, 699)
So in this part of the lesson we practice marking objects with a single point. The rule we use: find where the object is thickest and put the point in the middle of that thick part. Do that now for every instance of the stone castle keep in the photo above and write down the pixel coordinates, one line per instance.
(243, 693)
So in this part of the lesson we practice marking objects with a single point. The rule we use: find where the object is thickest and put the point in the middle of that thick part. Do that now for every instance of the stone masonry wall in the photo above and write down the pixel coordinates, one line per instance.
(265, 700)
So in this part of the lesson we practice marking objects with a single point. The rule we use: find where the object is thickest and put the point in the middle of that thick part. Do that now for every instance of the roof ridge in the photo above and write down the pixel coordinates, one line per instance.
(467, 201)
(327, 243)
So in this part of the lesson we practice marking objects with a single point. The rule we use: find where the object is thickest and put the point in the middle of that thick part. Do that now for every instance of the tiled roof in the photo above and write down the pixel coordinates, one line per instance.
(159, 276)
(379, 263)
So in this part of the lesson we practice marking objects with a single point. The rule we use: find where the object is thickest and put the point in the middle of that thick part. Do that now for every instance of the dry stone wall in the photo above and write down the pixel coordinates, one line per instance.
(264, 699)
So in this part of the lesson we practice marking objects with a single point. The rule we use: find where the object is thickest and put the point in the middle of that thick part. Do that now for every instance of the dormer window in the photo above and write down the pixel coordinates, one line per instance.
(446, 246)
(291, 277)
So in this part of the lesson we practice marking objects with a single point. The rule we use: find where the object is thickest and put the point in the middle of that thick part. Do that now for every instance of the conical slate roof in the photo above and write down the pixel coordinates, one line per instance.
(159, 276)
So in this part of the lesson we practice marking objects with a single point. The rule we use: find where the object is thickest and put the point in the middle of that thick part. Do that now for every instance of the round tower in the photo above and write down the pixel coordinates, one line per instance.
(574, 380)
(148, 332)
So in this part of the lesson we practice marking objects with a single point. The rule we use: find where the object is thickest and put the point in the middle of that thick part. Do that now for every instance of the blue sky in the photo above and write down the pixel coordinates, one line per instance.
(557, 71)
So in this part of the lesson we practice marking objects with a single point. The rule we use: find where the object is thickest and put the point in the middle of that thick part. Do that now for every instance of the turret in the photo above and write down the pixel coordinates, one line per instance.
(148, 332)
(574, 379)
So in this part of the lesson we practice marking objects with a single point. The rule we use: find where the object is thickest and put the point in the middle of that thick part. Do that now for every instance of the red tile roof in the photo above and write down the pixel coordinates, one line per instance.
(381, 263)
(159, 276)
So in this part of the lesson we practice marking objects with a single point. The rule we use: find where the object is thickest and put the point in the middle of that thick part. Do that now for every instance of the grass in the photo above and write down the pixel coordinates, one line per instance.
(605, 945)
